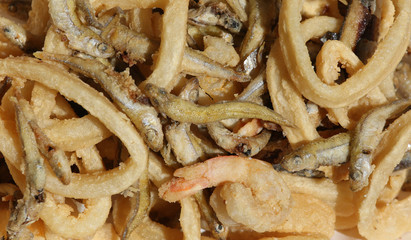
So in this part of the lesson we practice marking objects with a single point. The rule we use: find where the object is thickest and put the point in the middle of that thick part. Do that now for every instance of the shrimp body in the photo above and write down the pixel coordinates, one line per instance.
(254, 194)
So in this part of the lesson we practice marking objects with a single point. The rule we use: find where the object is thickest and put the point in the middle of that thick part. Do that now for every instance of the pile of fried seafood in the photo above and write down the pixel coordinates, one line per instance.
(205, 119)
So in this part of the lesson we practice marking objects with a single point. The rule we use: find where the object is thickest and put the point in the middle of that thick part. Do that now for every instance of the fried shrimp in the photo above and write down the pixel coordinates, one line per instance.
(259, 201)
(80, 37)
(185, 111)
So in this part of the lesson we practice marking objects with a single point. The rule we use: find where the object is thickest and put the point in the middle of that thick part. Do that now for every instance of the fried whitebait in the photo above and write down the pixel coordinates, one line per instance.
(197, 64)
(405, 162)
(218, 230)
(56, 157)
(14, 32)
(309, 173)
(189, 147)
(254, 89)
(234, 143)
(215, 14)
(366, 137)
(141, 210)
(124, 93)
(185, 111)
(88, 10)
(331, 151)
(184, 144)
(355, 22)
(261, 14)
(135, 47)
(80, 36)
(27, 210)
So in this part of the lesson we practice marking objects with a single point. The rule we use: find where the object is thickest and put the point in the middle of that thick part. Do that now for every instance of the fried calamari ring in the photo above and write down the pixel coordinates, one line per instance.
(172, 46)
(84, 185)
(387, 55)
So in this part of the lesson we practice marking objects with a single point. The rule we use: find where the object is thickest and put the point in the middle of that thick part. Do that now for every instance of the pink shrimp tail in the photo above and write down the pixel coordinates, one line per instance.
(179, 188)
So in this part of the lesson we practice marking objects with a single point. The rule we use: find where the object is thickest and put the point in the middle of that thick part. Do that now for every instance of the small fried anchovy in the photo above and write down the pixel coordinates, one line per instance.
(254, 89)
(14, 32)
(405, 162)
(189, 148)
(309, 173)
(185, 111)
(197, 64)
(184, 144)
(329, 36)
(27, 209)
(135, 47)
(168, 156)
(234, 143)
(123, 91)
(332, 151)
(262, 12)
(239, 7)
(366, 137)
(141, 210)
(250, 62)
(90, 15)
(56, 157)
(80, 37)
(218, 230)
(215, 13)
(191, 90)
(355, 22)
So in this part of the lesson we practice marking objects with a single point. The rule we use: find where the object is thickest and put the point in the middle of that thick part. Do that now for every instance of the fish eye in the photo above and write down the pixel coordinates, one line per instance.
(298, 160)
(102, 47)
(162, 91)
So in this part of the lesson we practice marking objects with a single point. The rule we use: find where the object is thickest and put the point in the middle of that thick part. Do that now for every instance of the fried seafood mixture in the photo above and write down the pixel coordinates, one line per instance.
(205, 119)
